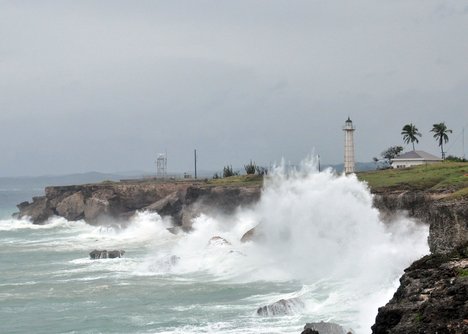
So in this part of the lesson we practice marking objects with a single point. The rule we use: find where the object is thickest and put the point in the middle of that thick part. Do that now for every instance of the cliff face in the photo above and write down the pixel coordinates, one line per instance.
(182, 201)
(448, 220)
(432, 297)
(433, 292)
(97, 203)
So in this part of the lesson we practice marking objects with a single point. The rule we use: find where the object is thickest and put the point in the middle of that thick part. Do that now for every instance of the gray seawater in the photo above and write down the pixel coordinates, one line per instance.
(323, 243)
(49, 285)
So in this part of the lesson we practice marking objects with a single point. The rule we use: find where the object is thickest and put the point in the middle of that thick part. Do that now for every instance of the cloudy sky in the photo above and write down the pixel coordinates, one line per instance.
(106, 85)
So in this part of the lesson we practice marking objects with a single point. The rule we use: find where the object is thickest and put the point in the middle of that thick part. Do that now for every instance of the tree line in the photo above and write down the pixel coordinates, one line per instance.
(411, 135)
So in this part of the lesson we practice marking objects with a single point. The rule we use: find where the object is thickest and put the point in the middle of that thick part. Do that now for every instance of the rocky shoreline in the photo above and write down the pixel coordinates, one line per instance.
(106, 202)
(432, 297)
(433, 292)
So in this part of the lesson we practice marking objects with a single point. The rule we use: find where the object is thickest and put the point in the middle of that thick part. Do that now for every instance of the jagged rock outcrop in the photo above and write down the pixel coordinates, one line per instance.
(309, 331)
(39, 209)
(95, 203)
(281, 307)
(325, 328)
(432, 297)
(105, 254)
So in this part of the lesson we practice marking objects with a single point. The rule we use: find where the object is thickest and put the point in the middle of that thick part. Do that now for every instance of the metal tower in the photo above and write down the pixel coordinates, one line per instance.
(349, 147)
(161, 166)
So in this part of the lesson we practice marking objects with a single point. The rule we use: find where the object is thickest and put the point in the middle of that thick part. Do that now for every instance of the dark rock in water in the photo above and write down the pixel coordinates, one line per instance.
(432, 297)
(104, 254)
(281, 307)
(325, 328)
(309, 331)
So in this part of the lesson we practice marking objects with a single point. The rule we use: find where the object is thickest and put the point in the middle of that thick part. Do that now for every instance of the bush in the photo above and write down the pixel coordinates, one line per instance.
(455, 159)
(250, 168)
(227, 171)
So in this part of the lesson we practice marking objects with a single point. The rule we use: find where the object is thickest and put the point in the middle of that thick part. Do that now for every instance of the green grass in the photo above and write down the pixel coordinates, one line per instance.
(439, 177)
(238, 180)
(463, 272)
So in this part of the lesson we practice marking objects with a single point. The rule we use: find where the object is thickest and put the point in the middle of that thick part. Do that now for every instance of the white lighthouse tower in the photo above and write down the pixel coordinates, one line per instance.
(349, 147)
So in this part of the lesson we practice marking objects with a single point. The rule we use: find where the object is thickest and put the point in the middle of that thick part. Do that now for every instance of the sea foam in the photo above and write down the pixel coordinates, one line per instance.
(318, 228)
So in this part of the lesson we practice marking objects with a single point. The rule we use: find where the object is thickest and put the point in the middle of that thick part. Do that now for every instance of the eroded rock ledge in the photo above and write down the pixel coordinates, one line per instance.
(104, 202)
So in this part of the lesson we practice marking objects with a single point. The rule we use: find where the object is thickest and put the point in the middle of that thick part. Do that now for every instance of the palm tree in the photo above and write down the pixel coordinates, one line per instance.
(440, 134)
(410, 133)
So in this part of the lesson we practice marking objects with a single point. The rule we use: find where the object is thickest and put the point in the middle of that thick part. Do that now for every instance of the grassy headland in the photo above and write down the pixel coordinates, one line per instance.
(448, 178)
(238, 180)
(444, 177)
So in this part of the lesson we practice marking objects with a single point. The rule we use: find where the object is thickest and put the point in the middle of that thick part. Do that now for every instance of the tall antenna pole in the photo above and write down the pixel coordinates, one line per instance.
(195, 160)
(463, 142)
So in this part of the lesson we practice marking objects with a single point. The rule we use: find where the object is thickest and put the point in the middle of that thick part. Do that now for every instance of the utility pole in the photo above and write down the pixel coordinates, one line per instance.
(195, 160)
(463, 143)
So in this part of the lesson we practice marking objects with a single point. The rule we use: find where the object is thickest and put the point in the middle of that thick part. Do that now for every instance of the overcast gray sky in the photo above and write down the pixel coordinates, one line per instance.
(106, 85)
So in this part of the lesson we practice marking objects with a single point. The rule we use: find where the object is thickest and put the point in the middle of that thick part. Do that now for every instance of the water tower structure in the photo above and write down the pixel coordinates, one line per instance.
(161, 166)
(349, 147)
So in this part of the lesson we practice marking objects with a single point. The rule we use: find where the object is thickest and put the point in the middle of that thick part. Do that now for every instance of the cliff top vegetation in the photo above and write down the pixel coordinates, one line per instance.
(238, 180)
(444, 177)
(449, 179)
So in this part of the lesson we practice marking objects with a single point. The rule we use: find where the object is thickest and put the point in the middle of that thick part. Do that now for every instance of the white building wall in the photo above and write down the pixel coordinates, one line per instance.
(411, 163)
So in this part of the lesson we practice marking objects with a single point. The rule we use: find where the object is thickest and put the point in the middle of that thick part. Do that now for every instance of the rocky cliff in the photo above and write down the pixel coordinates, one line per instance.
(447, 218)
(102, 202)
(432, 297)
(433, 292)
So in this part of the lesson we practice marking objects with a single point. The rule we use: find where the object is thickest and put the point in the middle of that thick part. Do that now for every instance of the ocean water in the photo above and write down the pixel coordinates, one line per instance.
(321, 241)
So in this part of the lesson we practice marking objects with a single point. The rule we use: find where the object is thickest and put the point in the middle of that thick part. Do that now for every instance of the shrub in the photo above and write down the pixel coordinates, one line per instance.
(227, 171)
(250, 168)
(455, 159)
